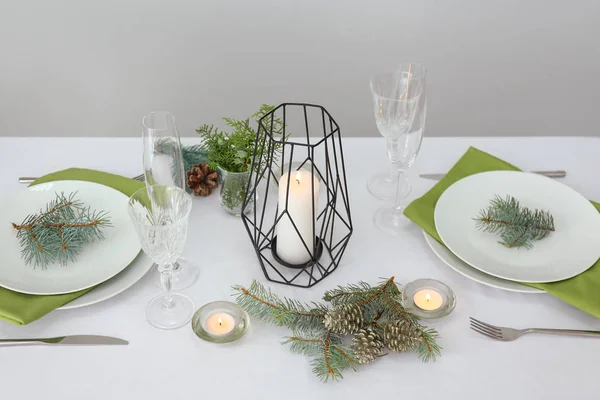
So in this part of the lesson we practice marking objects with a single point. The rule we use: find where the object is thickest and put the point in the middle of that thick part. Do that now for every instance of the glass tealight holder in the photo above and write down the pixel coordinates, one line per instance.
(220, 322)
(428, 298)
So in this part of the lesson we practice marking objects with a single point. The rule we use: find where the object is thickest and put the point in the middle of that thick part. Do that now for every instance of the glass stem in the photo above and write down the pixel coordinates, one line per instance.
(392, 173)
(399, 203)
(176, 267)
(166, 272)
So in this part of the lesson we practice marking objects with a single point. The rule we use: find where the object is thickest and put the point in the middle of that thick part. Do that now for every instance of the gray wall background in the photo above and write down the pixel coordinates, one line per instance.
(496, 67)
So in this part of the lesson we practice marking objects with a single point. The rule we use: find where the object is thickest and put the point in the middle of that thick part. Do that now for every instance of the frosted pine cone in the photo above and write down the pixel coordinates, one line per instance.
(401, 336)
(344, 319)
(368, 345)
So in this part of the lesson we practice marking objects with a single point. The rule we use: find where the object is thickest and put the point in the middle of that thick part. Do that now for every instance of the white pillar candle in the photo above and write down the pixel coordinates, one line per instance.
(300, 208)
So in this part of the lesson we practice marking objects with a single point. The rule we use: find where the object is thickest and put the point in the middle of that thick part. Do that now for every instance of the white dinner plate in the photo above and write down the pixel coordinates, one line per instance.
(472, 273)
(96, 263)
(115, 285)
(570, 250)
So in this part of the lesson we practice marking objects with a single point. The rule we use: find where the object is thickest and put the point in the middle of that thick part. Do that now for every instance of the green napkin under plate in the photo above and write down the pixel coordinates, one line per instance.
(21, 309)
(580, 291)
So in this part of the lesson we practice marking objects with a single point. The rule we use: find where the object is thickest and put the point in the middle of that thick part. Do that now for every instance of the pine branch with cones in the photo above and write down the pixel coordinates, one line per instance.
(356, 326)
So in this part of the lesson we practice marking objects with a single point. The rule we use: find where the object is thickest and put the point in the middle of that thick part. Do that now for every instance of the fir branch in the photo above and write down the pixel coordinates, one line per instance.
(428, 349)
(335, 358)
(348, 354)
(191, 155)
(59, 232)
(379, 306)
(361, 293)
(327, 343)
(332, 356)
(266, 306)
(518, 226)
(308, 347)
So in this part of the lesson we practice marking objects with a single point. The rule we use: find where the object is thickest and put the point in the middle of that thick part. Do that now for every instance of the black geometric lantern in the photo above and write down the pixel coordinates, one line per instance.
(297, 211)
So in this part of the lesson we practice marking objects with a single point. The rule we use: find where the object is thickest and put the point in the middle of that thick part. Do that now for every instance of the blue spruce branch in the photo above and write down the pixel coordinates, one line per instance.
(518, 226)
(59, 231)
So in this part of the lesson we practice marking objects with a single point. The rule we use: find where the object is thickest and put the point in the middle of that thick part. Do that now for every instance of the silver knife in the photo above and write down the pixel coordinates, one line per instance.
(75, 340)
(549, 174)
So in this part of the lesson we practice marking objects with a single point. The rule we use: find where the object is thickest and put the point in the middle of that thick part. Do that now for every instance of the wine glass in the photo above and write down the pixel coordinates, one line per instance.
(163, 165)
(160, 215)
(400, 102)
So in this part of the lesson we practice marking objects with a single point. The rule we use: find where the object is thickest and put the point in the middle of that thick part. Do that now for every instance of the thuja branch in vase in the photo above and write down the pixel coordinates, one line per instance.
(517, 226)
(372, 316)
(58, 232)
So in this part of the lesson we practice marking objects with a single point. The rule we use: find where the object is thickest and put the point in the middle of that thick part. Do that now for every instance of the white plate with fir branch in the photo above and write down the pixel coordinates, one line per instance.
(519, 226)
(64, 236)
(474, 274)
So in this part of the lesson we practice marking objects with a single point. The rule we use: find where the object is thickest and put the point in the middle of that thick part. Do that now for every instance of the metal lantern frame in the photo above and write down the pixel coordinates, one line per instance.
(324, 158)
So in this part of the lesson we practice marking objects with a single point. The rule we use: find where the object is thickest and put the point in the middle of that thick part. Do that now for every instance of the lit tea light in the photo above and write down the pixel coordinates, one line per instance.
(220, 324)
(428, 298)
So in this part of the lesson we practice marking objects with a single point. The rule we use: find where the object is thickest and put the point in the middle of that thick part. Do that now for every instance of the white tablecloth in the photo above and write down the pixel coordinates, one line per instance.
(176, 365)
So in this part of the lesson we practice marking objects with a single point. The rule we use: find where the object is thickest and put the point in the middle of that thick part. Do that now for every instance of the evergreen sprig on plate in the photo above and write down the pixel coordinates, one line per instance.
(518, 226)
(372, 315)
(59, 231)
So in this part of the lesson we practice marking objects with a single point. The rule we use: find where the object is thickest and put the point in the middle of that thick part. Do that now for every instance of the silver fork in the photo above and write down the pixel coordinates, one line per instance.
(30, 179)
(510, 334)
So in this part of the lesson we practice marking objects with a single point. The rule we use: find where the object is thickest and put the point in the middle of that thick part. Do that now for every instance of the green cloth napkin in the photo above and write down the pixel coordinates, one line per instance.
(21, 309)
(580, 291)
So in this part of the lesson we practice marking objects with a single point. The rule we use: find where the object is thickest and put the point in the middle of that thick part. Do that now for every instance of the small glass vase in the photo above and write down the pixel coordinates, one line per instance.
(233, 191)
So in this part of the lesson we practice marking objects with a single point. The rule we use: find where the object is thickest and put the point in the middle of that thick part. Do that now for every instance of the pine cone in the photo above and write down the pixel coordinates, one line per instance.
(401, 336)
(202, 179)
(368, 345)
(344, 319)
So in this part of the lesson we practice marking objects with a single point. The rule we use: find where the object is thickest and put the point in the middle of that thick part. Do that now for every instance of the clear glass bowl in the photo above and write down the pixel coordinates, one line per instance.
(241, 321)
(447, 295)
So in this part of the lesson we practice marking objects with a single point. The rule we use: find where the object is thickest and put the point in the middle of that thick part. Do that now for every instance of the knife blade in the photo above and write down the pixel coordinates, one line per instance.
(75, 340)
(549, 174)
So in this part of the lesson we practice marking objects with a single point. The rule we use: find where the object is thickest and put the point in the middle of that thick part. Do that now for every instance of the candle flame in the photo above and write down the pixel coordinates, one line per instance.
(298, 177)
(220, 322)
(428, 297)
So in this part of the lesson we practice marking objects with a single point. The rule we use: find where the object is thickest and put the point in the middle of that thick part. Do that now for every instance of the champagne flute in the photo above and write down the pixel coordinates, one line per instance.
(163, 165)
(400, 105)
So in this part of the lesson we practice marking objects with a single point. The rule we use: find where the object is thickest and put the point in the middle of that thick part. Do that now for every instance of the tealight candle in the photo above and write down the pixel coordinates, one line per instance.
(428, 299)
(220, 324)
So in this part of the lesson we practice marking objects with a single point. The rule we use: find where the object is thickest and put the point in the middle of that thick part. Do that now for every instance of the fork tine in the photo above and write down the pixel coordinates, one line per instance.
(485, 329)
(140, 178)
(485, 333)
(484, 324)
